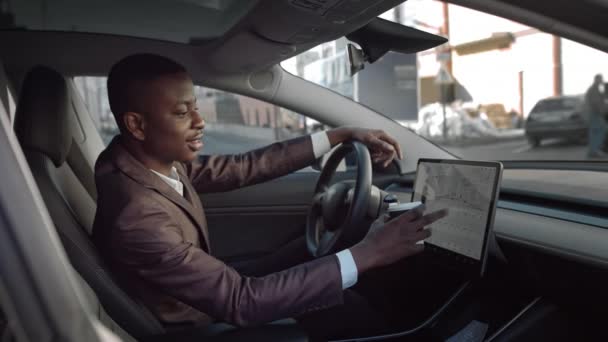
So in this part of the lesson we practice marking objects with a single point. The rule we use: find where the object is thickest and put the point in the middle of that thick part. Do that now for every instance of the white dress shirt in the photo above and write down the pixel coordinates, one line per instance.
(320, 146)
(172, 180)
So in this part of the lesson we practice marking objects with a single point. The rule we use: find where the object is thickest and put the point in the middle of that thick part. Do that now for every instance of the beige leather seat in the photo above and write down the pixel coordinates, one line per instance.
(45, 125)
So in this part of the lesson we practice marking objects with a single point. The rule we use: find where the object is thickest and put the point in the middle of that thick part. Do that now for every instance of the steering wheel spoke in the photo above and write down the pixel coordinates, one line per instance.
(318, 199)
(350, 195)
(326, 238)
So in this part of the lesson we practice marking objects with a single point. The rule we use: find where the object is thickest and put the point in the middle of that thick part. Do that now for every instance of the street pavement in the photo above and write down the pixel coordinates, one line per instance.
(554, 149)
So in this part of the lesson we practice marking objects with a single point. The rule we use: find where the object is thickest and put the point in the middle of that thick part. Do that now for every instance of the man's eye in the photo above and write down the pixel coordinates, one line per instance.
(182, 113)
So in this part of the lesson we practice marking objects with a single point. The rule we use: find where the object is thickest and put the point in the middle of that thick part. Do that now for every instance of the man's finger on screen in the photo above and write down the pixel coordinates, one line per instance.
(411, 215)
(429, 219)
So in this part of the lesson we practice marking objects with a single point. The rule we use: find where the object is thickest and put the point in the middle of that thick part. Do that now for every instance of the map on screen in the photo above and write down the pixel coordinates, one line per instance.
(468, 193)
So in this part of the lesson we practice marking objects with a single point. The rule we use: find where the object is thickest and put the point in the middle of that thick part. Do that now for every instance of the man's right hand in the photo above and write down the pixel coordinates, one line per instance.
(391, 240)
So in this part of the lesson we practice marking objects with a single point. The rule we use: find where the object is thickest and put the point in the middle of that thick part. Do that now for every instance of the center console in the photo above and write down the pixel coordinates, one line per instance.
(425, 304)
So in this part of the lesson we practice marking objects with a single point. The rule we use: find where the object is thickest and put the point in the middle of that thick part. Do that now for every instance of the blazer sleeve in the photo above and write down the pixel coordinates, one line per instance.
(154, 250)
(219, 173)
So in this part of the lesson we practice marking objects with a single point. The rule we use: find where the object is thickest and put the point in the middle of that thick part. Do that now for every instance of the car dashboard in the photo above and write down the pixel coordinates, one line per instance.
(545, 279)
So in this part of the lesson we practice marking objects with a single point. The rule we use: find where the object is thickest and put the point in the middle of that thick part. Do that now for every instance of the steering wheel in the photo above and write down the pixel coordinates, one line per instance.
(337, 211)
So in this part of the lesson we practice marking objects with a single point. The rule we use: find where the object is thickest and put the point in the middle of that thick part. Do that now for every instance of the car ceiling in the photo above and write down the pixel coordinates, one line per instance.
(232, 36)
(244, 36)
(178, 21)
(589, 15)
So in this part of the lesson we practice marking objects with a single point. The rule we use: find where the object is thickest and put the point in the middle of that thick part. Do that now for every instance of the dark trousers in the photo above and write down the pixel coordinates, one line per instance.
(354, 318)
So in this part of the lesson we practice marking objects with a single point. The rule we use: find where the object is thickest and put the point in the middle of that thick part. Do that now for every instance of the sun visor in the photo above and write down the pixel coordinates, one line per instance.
(380, 36)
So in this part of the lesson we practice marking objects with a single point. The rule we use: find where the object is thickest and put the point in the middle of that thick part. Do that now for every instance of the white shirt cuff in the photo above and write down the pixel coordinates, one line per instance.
(348, 268)
(320, 143)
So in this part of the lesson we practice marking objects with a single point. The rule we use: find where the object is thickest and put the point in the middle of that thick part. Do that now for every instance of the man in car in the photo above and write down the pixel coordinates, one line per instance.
(150, 224)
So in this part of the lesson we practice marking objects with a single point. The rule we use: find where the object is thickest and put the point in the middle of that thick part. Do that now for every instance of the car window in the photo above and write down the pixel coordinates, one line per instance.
(473, 95)
(233, 123)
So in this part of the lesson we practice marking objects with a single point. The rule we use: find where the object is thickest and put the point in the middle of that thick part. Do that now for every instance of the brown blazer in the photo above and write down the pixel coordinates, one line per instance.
(157, 244)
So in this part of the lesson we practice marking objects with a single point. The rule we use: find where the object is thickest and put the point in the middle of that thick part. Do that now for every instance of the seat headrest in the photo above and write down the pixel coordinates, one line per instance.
(41, 116)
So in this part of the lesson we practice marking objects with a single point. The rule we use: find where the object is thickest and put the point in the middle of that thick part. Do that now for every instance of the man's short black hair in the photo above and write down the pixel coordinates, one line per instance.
(130, 74)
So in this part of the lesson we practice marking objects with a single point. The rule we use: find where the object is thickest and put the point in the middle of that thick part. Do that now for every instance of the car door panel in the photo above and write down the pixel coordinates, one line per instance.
(254, 221)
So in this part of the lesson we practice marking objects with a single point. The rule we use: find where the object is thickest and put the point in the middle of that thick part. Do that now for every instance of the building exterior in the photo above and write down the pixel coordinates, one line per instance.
(500, 61)
(496, 62)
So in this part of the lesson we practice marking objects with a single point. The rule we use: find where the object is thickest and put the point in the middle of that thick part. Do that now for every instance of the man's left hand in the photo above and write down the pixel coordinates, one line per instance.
(382, 147)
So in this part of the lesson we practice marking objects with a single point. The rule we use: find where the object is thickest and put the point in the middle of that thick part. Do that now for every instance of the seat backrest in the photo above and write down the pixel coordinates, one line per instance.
(45, 124)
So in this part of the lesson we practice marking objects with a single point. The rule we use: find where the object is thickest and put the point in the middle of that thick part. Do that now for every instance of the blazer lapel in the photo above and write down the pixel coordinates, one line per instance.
(138, 172)
(191, 195)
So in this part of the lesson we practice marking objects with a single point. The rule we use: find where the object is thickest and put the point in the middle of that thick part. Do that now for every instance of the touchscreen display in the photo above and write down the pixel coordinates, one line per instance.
(467, 191)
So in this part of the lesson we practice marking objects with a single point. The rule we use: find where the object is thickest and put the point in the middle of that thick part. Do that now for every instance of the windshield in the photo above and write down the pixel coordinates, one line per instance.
(474, 95)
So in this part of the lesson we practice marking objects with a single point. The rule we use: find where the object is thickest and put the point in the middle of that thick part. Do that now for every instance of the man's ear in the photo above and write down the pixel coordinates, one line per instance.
(135, 124)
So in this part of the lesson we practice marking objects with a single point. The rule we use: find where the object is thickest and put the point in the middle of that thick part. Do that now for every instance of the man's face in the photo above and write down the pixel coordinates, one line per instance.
(172, 126)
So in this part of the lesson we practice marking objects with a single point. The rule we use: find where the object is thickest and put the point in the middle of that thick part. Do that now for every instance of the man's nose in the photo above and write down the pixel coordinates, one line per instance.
(197, 120)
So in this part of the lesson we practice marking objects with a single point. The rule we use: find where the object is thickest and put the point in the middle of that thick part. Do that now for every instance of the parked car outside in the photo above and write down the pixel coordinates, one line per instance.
(557, 117)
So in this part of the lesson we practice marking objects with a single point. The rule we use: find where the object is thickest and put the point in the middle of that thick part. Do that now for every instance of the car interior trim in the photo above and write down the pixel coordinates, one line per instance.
(575, 165)
(570, 216)
(571, 240)
(431, 319)
(514, 319)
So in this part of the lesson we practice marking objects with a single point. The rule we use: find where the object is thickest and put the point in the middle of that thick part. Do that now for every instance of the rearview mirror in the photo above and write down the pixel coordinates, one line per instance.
(357, 59)
(380, 36)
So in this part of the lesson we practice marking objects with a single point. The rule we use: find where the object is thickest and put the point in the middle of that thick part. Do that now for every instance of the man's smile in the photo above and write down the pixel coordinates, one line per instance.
(196, 143)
